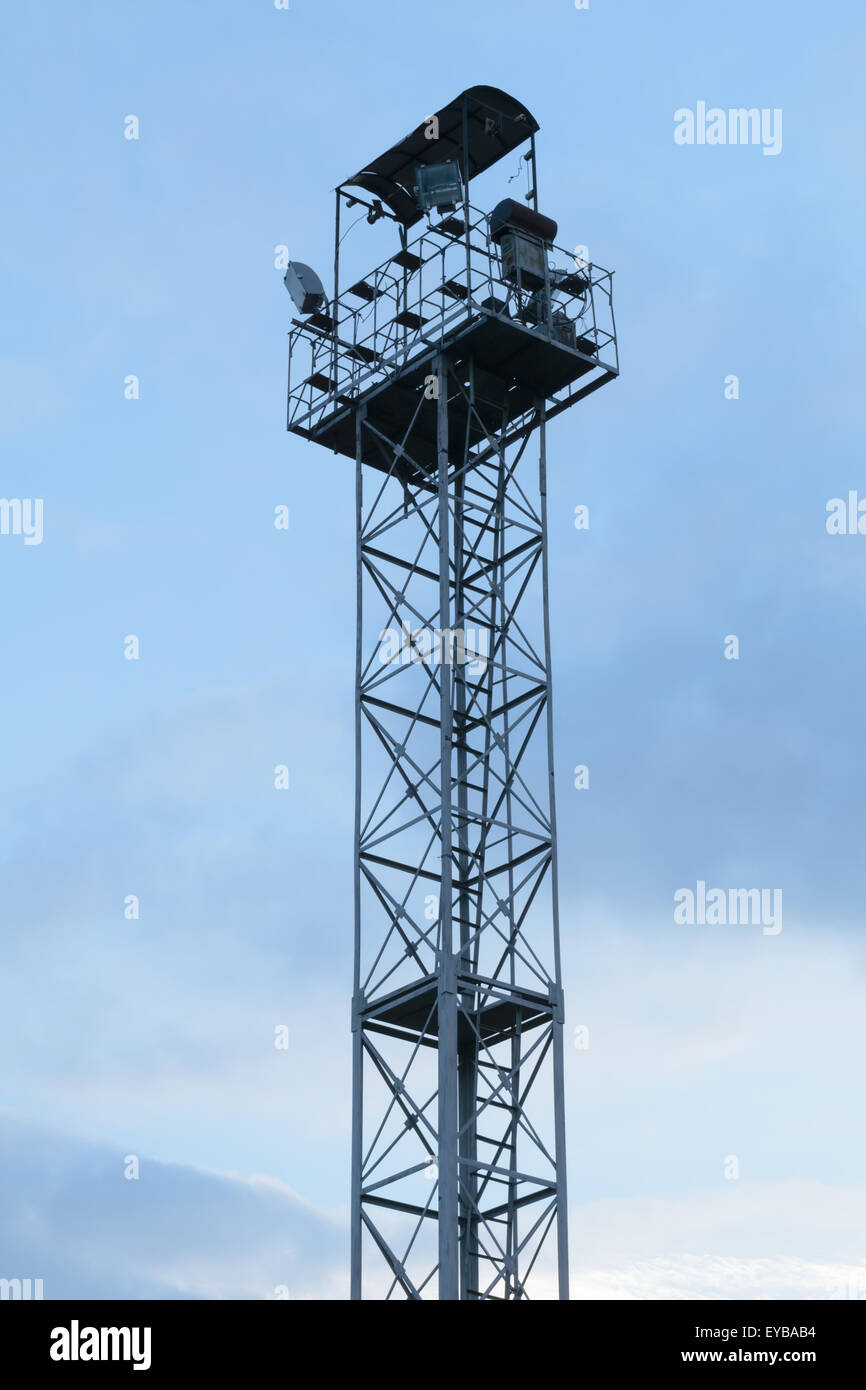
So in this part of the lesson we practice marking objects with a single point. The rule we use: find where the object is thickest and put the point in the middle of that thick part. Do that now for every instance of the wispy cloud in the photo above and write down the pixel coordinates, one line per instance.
(69, 1216)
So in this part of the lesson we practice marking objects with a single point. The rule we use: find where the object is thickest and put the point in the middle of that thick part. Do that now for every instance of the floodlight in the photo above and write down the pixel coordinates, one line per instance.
(439, 186)
(305, 287)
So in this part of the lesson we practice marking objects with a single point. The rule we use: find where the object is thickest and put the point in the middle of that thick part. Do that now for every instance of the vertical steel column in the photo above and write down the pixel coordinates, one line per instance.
(467, 1068)
(464, 169)
(335, 307)
(357, 1002)
(449, 1284)
(558, 1003)
(534, 173)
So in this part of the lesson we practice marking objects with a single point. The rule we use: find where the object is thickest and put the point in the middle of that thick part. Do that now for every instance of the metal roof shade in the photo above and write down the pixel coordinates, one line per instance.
(496, 125)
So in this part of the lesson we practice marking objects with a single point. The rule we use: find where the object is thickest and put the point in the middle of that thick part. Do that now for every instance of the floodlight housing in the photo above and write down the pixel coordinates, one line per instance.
(439, 186)
(305, 287)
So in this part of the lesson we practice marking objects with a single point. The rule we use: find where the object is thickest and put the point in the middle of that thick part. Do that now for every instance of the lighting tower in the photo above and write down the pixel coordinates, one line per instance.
(436, 372)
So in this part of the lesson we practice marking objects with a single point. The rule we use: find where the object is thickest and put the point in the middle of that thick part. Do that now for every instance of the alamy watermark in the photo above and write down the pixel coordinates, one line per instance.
(435, 647)
(22, 516)
(846, 516)
(24, 1289)
(77, 1343)
(719, 907)
(737, 126)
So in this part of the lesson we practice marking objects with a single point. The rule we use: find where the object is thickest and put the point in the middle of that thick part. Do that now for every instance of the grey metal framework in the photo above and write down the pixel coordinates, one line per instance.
(438, 374)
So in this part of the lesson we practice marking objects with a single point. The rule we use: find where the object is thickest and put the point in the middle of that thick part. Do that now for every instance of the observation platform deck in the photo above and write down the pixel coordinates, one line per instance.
(446, 292)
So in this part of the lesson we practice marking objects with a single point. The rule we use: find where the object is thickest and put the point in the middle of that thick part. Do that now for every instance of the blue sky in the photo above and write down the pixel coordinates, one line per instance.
(156, 257)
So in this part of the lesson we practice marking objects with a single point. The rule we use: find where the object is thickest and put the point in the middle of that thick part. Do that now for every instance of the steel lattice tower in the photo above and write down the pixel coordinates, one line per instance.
(438, 373)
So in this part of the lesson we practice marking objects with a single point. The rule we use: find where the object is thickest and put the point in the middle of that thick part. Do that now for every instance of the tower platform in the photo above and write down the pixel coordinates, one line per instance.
(489, 1011)
(514, 366)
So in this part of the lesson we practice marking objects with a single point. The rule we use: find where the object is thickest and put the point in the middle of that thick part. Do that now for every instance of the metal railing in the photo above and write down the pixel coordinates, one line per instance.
(446, 277)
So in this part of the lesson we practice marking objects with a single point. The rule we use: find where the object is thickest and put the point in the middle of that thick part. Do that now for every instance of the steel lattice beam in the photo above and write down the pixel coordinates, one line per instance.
(458, 1153)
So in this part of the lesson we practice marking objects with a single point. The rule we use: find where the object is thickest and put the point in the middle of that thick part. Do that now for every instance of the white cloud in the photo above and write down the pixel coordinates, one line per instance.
(705, 1277)
(748, 1240)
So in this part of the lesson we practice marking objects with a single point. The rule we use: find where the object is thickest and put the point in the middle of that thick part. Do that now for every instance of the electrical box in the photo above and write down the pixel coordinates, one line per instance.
(523, 260)
(562, 328)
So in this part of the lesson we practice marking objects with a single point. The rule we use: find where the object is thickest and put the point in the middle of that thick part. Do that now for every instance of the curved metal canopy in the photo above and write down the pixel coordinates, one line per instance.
(495, 124)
